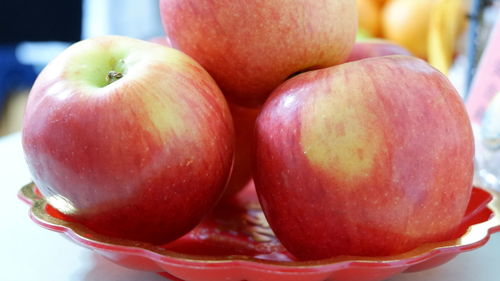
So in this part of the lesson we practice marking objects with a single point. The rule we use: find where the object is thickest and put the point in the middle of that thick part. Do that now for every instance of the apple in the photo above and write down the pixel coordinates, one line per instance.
(375, 48)
(132, 139)
(368, 158)
(250, 47)
(244, 125)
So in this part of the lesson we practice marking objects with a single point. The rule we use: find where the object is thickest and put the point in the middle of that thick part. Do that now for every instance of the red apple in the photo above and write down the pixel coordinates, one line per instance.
(369, 158)
(250, 47)
(244, 125)
(375, 48)
(132, 139)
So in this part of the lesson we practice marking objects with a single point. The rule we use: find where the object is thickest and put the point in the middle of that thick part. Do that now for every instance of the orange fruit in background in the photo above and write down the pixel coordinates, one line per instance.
(406, 22)
(369, 17)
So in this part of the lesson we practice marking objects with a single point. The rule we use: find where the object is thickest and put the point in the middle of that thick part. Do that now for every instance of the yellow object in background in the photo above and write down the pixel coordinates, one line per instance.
(369, 19)
(406, 22)
(12, 116)
(429, 29)
(446, 24)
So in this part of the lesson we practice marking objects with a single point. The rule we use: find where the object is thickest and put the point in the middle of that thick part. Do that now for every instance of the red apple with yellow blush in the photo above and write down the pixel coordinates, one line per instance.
(252, 46)
(368, 158)
(132, 139)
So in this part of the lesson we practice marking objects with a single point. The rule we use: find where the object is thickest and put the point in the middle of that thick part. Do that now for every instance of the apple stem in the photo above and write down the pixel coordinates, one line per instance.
(113, 76)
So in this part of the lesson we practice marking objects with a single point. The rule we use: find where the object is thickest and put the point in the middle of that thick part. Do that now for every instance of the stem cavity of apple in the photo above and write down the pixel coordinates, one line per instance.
(113, 76)
(116, 73)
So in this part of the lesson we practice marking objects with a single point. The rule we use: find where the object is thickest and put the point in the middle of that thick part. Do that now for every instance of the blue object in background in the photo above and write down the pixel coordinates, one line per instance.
(35, 21)
(28, 43)
(14, 75)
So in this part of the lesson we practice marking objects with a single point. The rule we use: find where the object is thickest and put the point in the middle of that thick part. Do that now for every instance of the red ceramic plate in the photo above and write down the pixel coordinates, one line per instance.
(236, 243)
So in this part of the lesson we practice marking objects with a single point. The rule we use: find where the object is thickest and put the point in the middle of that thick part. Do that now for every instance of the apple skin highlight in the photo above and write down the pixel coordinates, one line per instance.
(369, 158)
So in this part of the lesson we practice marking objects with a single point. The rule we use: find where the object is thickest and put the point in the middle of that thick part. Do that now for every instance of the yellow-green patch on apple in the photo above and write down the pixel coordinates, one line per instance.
(341, 142)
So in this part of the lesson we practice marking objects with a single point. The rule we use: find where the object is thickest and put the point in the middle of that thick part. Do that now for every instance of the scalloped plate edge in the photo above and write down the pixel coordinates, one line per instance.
(475, 236)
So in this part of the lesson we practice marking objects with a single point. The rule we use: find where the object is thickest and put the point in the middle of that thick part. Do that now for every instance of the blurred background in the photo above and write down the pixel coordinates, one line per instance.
(33, 32)
(449, 34)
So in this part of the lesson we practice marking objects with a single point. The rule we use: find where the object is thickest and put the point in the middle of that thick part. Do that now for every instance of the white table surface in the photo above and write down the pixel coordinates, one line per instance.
(31, 253)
